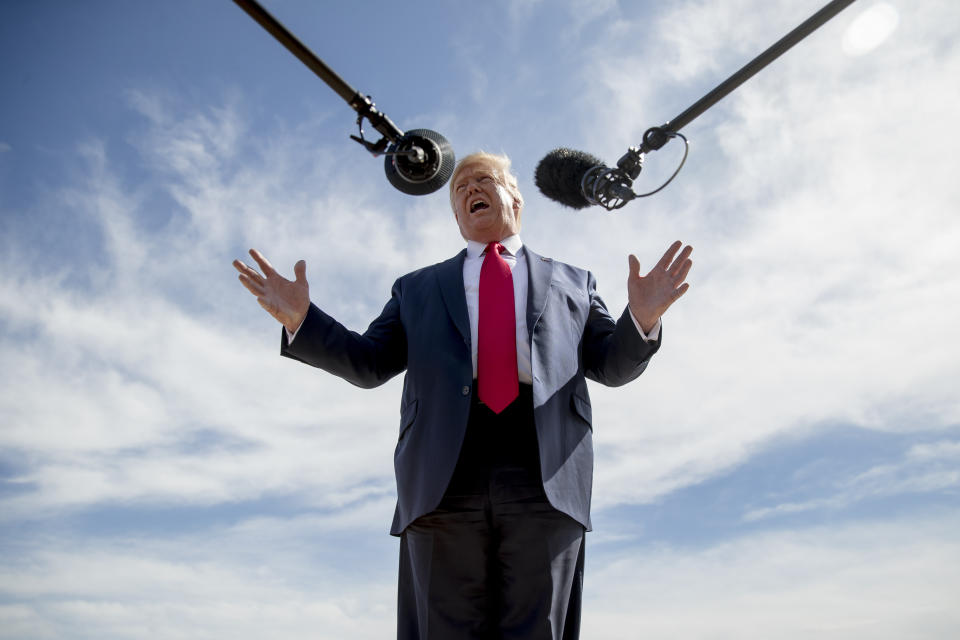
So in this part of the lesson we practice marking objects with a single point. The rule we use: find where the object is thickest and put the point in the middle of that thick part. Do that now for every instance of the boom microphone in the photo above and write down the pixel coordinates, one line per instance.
(419, 162)
(578, 180)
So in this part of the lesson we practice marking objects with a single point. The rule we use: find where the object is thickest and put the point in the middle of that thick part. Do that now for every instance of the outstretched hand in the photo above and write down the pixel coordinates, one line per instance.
(651, 295)
(286, 300)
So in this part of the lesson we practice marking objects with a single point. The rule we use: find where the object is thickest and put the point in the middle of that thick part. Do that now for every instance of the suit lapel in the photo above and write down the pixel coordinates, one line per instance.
(450, 277)
(539, 273)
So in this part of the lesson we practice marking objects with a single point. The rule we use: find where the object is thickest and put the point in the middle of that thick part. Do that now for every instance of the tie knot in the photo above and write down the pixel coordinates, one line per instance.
(495, 247)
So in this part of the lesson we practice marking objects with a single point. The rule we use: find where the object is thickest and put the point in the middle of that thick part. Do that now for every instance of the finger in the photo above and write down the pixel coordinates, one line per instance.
(252, 286)
(265, 265)
(668, 256)
(682, 289)
(681, 275)
(248, 271)
(680, 259)
(634, 266)
(300, 272)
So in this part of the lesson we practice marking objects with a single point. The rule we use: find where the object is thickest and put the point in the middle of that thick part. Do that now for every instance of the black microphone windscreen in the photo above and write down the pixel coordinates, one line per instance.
(560, 173)
(425, 170)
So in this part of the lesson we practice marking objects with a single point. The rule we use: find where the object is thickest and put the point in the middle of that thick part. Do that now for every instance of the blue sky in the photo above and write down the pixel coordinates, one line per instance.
(789, 465)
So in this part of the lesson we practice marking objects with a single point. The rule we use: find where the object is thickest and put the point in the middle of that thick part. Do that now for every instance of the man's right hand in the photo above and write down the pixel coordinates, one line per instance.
(287, 301)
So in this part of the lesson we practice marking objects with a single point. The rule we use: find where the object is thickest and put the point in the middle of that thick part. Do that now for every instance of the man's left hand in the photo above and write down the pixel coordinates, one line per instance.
(651, 295)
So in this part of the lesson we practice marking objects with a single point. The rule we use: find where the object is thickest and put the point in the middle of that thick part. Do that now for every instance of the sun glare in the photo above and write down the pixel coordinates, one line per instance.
(870, 29)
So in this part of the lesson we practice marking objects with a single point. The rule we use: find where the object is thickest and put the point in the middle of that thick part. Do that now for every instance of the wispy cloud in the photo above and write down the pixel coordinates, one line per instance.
(824, 285)
(872, 579)
(794, 292)
(162, 346)
(258, 578)
(880, 578)
(141, 381)
(924, 469)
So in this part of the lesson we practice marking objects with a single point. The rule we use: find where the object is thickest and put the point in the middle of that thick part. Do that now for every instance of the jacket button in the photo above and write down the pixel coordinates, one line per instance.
(466, 390)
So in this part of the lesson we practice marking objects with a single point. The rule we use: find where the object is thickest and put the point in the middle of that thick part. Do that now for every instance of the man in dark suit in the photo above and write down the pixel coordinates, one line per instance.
(494, 461)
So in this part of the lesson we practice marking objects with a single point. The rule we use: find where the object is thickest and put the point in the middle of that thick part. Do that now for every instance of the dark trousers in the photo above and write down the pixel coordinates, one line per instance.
(495, 560)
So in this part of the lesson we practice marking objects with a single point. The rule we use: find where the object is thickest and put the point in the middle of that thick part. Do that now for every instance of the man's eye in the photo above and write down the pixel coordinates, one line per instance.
(486, 179)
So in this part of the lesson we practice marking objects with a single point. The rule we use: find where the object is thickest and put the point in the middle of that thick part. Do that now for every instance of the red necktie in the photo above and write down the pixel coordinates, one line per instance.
(497, 383)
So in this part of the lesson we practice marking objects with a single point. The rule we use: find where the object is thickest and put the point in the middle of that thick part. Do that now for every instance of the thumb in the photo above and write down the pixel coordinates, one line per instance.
(634, 266)
(300, 271)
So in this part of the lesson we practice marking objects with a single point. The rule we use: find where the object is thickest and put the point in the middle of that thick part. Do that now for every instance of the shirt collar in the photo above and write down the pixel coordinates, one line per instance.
(513, 244)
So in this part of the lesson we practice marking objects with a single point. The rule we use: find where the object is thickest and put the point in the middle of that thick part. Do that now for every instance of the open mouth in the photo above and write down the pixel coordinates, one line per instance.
(478, 205)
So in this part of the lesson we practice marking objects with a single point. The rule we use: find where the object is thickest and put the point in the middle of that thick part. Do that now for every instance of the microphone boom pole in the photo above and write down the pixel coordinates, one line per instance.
(357, 101)
(656, 137)
(417, 162)
(578, 180)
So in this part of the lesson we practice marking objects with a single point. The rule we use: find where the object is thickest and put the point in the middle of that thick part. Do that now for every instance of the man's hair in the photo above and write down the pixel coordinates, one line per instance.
(504, 177)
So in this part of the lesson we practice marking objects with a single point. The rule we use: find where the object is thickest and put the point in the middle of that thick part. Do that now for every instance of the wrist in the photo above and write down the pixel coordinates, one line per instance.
(294, 323)
(644, 320)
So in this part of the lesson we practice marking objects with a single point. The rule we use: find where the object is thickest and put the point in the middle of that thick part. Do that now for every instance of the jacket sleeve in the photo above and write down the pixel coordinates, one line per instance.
(366, 360)
(613, 353)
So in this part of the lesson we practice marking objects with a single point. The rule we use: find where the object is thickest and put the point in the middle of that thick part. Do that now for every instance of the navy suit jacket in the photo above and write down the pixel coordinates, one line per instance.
(424, 330)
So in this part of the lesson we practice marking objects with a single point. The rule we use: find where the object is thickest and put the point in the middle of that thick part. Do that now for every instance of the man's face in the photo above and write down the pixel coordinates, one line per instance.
(483, 206)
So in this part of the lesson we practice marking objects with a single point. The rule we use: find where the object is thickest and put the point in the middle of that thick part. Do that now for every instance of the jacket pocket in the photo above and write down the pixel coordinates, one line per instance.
(407, 416)
(582, 408)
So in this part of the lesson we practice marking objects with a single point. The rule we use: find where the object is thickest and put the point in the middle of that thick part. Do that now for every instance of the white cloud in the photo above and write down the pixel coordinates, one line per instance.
(823, 287)
(812, 269)
(139, 375)
(880, 579)
(164, 346)
(280, 577)
(132, 589)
